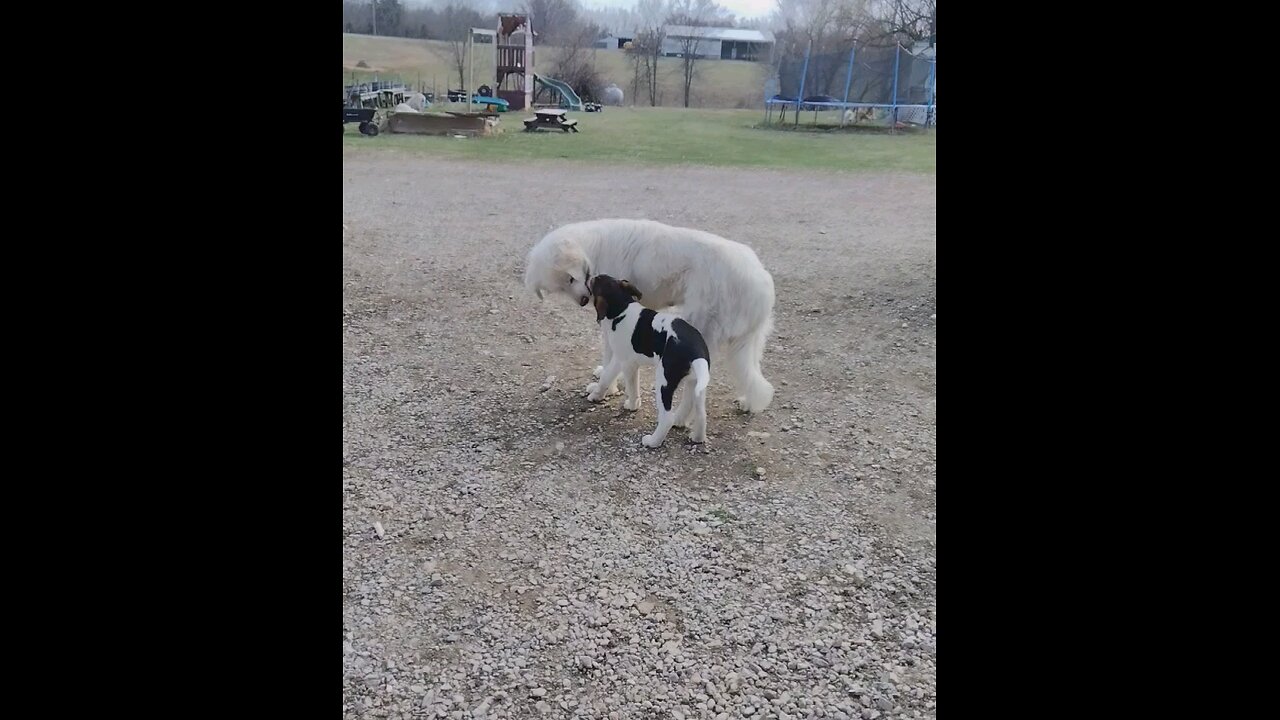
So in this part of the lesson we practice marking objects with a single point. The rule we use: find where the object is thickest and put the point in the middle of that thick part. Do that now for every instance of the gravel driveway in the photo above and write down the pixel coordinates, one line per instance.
(510, 550)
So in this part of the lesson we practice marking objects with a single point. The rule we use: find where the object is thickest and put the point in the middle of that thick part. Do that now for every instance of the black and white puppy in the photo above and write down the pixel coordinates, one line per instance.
(636, 335)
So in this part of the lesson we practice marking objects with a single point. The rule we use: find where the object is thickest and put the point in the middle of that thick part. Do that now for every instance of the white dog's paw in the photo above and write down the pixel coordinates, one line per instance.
(595, 389)
(595, 393)
(631, 404)
(648, 442)
(597, 372)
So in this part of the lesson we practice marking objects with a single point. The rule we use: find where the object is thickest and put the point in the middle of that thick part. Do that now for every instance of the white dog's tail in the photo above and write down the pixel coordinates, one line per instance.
(702, 372)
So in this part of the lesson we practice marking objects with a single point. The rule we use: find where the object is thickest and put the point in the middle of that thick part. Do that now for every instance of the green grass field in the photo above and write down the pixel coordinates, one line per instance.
(659, 136)
(664, 136)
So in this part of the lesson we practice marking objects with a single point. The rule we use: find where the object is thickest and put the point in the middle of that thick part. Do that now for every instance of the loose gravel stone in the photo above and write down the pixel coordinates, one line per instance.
(511, 551)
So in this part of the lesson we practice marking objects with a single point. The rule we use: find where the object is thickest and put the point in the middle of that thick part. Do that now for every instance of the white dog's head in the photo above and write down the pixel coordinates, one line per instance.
(558, 265)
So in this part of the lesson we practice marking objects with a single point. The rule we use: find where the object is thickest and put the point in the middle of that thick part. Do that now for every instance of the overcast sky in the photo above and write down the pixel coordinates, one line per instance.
(742, 8)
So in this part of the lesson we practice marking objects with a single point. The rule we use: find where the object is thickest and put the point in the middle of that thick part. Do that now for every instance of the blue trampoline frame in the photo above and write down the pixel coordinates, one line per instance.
(893, 107)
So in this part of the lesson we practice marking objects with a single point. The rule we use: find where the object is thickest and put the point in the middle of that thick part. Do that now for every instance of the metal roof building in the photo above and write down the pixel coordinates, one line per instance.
(718, 42)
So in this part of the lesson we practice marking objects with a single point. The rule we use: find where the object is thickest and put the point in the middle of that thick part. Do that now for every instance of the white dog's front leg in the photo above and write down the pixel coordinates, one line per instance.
(606, 358)
(596, 391)
(606, 354)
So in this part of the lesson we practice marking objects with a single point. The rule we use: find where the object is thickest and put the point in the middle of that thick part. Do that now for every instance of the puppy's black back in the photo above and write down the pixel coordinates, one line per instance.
(678, 349)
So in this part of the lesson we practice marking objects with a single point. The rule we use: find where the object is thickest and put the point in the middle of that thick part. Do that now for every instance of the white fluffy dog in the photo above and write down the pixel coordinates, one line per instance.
(720, 286)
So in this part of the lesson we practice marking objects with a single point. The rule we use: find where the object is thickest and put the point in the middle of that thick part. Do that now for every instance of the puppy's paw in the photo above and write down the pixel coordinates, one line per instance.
(597, 372)
(592, 387)
(649, 442)
(631, 404)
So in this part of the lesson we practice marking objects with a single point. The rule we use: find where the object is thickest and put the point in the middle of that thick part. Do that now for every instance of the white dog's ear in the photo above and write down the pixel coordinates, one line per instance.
(531, 281)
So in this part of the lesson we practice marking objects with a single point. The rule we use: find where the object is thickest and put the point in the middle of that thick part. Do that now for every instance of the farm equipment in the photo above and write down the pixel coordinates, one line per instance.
(361, 103)
(364, 116)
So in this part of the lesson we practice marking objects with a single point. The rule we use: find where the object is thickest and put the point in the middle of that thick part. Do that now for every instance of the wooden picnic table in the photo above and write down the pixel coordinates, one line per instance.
(553, 118)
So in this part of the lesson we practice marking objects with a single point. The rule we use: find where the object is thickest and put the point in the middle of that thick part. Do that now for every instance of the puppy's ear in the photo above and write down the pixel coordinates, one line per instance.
(602, 306)
(630, 289)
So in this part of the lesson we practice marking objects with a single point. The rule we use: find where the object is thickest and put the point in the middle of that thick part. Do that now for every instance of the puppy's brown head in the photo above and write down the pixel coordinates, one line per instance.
(611, 296)
(629, 289)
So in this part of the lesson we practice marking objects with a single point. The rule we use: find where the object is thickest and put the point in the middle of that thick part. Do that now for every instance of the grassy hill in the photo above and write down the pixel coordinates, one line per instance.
(720, 84)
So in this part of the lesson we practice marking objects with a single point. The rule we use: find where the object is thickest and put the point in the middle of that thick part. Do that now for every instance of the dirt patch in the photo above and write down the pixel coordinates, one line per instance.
(531, 544)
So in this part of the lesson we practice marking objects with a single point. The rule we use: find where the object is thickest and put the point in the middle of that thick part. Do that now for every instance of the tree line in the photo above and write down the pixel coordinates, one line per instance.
(830, 27)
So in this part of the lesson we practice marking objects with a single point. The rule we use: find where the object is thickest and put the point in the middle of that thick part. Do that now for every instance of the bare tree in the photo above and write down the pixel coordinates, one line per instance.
(458, 19)
(906, 21)
(636, 57)
(651, 34)
(576, 62)
(554, 21)
(694, 14)
(646, 51)
(828, 29)
(617, 20)
(387, 16)
(357, 17)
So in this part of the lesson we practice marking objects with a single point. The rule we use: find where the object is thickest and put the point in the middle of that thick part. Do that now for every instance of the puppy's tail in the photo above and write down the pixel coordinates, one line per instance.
(701, 371)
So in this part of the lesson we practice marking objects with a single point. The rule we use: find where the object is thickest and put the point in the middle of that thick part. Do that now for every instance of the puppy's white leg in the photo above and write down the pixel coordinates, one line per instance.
(685, 408)
(595, 391)
(698, 433)
(682, 410)
(665, 416)
(631, 384)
